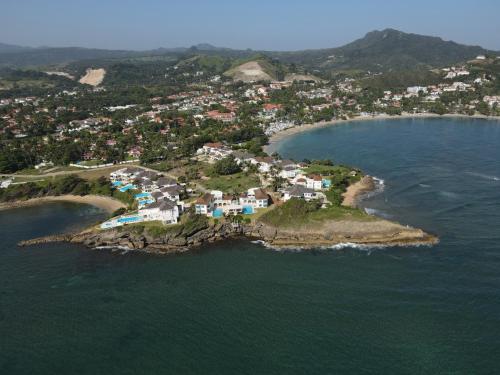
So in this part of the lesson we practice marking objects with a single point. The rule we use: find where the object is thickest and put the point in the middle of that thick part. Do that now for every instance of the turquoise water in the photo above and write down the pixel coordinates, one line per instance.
(129, 219)
(127, 187)
(238, 308)
(218, 213)
(247, 210)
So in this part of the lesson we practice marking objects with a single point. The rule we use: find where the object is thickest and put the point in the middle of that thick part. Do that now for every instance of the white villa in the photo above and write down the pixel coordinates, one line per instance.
(125, 175)
(164, 210)
(216, 203)
(264, 163)
(314, 182)
(214, 151)
(299, 191)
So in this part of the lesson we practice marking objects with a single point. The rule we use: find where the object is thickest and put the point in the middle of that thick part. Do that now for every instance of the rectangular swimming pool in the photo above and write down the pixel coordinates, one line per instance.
(218, 213)
(129, 219)
(125, 188)
(247, 210)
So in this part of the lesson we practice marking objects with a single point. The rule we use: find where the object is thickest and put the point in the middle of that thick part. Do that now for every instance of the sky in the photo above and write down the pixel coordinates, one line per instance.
(241, 24)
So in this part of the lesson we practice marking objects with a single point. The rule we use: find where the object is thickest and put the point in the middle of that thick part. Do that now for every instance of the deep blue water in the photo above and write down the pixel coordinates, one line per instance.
(237, 308)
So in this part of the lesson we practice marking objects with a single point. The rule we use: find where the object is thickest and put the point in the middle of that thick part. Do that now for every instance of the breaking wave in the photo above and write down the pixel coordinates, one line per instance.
(340, 246)
(376, 212)
(484, 176)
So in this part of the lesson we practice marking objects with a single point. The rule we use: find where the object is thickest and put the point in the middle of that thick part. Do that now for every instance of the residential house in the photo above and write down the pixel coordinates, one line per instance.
(300, 192)
(265, 163)
(203, 205)
(214, 151)
(164, 210)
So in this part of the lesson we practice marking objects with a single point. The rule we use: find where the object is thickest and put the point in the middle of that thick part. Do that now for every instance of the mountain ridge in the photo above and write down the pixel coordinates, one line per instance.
(377, 50)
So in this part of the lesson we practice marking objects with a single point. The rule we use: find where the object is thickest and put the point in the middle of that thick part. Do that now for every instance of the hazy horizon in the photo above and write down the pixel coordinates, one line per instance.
(275, 26)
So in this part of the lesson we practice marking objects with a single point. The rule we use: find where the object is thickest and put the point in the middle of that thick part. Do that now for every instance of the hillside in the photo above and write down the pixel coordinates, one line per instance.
(51, 56)
(377, 51)
(384, 50)
(250, 71)
(11, 48)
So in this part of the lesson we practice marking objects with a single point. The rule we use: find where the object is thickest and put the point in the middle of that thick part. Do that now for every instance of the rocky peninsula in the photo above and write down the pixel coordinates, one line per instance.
(181, 238)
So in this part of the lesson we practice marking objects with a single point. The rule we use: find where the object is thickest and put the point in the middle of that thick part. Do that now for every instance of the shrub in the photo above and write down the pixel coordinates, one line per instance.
(226, 166)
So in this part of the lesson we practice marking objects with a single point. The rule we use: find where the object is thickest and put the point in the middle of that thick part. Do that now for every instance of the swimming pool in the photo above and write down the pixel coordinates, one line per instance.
(129, 219)
(247, 210)
(143, 203)
(142, 195)
(117, 183)
(125, 188)
(218, 213)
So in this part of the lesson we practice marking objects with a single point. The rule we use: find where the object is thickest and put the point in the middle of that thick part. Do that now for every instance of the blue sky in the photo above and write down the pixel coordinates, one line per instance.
(256, 24)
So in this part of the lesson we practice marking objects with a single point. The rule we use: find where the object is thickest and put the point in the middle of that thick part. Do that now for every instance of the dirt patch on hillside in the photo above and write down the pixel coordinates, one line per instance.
(301, 77)
(249, 72)
(61, 74)
(93, 77)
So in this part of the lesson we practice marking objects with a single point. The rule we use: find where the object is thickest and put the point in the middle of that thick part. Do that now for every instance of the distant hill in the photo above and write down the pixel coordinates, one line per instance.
(378, 51)
(11, 48)
(386, 50)
(50, 56)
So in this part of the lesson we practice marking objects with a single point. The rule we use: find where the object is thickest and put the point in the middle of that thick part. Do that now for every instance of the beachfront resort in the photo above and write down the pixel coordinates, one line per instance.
(164, 199)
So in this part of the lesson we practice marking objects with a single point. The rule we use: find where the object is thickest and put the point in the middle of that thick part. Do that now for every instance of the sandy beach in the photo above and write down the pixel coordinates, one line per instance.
(354, 191)
(276, 138)
(106, 203)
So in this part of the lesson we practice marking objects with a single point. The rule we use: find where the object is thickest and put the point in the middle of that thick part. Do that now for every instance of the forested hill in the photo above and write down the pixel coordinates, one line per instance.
(385, 50)
(377, 51)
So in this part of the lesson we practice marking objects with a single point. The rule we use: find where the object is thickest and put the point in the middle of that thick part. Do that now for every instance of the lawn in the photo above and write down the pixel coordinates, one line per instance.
(297, 213)
(235, 183)
(327, 170)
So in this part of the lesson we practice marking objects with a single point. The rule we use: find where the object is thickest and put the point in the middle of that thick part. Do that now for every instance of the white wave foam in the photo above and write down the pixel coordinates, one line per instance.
(449, 194)
(376, 212)
(484, 176)
(379, 188)
(340, 246)
(424, 186)
(379, 181)
(123, 249)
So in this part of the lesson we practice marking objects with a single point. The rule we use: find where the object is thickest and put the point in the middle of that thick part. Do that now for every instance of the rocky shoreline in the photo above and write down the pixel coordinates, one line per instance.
(374, 232)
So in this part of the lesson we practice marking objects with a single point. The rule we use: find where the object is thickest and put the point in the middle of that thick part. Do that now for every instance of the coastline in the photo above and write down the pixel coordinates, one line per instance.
(377, 232)
(281, 135)
(106, 203)
(355, 191)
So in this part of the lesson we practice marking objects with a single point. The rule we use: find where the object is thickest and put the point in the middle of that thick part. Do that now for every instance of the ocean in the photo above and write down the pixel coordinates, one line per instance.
(236, 307)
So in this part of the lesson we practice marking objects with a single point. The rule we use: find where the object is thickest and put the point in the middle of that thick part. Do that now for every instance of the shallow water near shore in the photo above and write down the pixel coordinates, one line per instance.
(236, 307)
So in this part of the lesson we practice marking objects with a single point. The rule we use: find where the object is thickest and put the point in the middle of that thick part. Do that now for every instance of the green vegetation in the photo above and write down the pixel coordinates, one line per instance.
(236, 183)
(190, 223)
(70, 184)
(385, 50)
(297, 213)
(226, 166)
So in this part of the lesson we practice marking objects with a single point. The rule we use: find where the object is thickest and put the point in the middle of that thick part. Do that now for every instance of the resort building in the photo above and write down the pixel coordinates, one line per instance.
(299, 191)
(164, 210)
(264, 163)
(214, 151)
(125, 175)
(204, 204)
(218, 204)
